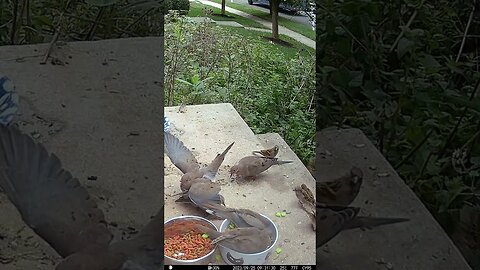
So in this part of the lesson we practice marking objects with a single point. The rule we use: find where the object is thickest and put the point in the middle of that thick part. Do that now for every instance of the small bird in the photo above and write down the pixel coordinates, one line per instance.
(333, 219)
(307, 202)
(249, 167)
(271, 152)
(184, 160)
(245, 240)
(341, 191)
(201, 193)
(57, 208)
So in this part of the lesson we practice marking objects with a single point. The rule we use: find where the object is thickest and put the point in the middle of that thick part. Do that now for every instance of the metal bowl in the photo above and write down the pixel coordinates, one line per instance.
(233, 257)
(199, 261)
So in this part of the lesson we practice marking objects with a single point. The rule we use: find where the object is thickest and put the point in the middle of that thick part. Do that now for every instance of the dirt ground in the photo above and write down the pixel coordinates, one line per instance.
(208, 130)
(100, 112)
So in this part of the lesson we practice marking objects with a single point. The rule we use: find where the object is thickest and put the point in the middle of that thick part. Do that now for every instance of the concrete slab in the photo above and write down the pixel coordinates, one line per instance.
(229, 23)
(419, 244)
(202, 19)
(101, 113)
(208, 129)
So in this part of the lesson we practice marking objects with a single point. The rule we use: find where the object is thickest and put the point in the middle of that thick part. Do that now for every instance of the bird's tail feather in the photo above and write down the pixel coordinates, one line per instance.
(227, 149)
(211, 171)
(370, 222)
(280, 162)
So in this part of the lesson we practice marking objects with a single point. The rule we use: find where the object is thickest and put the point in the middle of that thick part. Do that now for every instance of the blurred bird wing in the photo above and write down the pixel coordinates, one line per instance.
(50, 200)
(179, 154)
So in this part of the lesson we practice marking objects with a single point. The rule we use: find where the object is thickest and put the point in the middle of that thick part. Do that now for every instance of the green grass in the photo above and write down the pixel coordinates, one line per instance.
(300, 28)
(289, 52)
(198, 10)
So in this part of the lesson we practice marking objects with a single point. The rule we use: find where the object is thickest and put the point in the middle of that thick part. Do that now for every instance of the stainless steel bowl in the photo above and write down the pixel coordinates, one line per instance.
(200, 261)
(233, 257)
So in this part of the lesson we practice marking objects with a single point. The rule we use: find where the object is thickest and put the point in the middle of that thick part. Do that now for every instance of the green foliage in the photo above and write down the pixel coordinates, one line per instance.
(272, 92)
(27, 22)
(413, 89)
(179, 5)
(101, 3)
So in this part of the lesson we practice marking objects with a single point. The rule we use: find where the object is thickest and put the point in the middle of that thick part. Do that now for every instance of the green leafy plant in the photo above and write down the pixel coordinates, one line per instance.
(27, 22)
(272, 92)
(406, 73)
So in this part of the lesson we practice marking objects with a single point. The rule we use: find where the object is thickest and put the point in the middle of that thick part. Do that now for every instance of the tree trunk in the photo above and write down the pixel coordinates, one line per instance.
(270, 7)
(223, 7)
(274, 4)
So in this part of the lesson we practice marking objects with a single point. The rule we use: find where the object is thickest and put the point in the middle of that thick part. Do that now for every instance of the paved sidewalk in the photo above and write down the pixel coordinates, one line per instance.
(303, 19)
(282, 30)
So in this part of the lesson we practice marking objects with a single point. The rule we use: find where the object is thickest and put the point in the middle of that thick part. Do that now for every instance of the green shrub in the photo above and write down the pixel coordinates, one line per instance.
(412, 89)
(36, 22)
(273, 93)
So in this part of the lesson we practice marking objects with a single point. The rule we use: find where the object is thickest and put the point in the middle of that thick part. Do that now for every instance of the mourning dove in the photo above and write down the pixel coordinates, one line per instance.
(184, 160)
(333, 219)
(307, 202)
(240, 217)
(54, 204)
(270, 152)
(341, 191)
(251, 166)
(202, 192)
(245, 240)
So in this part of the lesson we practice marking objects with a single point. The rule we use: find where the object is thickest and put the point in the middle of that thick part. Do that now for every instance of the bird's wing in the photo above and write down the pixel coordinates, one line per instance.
(179, 154)
(50, 200)
(204, 191)
(305, 198)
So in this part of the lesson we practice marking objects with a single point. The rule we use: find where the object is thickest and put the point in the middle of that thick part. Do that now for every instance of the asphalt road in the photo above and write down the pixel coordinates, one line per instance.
(299, 17)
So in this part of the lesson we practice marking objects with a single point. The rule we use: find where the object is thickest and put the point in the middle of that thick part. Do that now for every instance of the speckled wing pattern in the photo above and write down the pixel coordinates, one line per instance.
(8, 100)
(179, 154)
(166, 124)
(50, 200)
